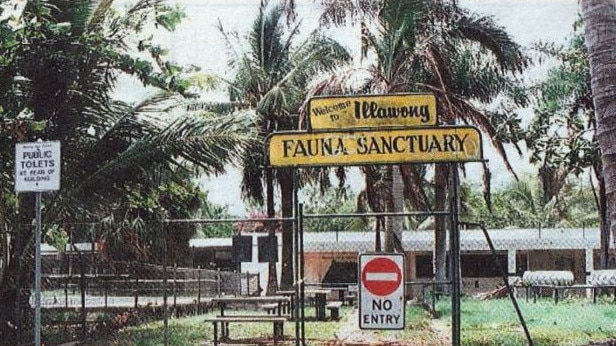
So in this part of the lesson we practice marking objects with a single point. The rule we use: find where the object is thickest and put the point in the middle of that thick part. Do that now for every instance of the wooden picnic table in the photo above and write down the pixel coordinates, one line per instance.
(320, 300)
(223, 302)
(224, 319)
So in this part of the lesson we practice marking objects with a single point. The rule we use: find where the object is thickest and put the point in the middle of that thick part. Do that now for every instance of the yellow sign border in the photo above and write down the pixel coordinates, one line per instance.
(370, 147)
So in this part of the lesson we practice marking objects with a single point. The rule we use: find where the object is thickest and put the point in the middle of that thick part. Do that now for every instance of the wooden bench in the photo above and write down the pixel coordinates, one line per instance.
(271, 308)
(278, 322)
(334, 309)
(351, 294)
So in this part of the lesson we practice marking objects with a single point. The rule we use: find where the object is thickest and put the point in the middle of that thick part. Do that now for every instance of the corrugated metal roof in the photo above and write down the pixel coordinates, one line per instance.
(503, 239)
(210, 242)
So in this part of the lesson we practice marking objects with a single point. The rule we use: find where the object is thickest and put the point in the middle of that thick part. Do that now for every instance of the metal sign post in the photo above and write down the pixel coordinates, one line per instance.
(37, 169)
(37, 273)
(388, 129)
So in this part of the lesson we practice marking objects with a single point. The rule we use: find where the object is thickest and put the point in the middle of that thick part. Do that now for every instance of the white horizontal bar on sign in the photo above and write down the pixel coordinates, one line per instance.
(382, 276)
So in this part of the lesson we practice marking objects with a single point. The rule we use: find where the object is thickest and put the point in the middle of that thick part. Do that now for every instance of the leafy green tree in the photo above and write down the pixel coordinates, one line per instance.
(562, 134)
(122, 163)
(272, 75)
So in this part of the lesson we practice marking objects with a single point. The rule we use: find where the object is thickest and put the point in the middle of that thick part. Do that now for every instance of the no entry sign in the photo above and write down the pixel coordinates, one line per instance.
(381, 276)
(381, 291)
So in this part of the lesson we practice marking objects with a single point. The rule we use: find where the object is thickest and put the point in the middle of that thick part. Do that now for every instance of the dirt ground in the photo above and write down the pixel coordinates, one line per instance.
(350, 334)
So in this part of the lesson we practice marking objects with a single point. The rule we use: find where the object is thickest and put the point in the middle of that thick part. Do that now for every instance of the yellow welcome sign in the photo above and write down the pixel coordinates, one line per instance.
(372, 111)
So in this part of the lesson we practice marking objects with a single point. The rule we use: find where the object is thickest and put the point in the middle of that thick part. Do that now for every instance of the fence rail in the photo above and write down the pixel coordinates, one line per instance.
(73, 302)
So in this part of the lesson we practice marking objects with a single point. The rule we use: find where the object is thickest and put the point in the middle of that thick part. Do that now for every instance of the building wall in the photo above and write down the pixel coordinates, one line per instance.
(317, 265)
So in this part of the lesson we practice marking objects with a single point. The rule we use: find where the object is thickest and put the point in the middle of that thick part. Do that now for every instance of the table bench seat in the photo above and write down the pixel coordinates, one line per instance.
(334, 309)
(271, 308)
(278, 322)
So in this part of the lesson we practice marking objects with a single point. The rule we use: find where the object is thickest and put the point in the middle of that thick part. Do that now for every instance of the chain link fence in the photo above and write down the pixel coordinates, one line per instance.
(518, 286)
(85, 295)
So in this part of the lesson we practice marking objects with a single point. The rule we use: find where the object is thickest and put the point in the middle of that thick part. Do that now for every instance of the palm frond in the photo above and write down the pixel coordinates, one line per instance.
(486, 33)
(98, 15)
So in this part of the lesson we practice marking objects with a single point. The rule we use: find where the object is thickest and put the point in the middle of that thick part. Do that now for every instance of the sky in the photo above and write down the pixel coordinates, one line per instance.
(198, 41)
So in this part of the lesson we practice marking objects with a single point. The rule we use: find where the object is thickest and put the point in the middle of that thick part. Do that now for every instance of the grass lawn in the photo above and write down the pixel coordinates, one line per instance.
(484, 323)
(192, 331)
(570, 322)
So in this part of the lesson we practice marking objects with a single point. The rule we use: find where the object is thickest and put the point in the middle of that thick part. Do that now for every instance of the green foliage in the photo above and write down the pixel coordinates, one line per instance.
(522, 204)
(210, 210)
(56, 237)
(561, 134)
(330, 201)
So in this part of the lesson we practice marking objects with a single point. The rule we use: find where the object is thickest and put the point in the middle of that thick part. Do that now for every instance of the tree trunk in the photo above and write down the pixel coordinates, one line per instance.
(285, 179)
(604, 229)
(599, 18)
(272, 272)
(440, 221)
(393, 229)
(16, 316)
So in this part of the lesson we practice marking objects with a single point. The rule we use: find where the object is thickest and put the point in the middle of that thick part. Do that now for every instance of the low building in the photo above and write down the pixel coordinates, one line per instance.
(331, 257)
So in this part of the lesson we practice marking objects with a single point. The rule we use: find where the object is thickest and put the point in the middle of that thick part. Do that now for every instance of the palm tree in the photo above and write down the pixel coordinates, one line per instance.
(57, 84)
(599, 19)
(272, 76)
(434, 46)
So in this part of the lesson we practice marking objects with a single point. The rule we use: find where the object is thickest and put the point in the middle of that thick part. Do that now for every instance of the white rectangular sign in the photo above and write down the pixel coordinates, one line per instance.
(381, 291)
(37, 166)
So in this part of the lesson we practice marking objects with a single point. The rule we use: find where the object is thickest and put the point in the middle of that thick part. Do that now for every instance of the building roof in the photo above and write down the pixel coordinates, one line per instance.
(210, 242)
(470, 240)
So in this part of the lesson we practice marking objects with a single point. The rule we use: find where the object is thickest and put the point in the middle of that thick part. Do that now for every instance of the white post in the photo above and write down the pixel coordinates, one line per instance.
(590, 266)
(37, 273)
(512, 267)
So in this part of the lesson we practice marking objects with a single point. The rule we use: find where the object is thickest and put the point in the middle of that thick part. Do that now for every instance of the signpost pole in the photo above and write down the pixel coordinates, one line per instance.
(37, 273)
(455, 256)
(37, 169)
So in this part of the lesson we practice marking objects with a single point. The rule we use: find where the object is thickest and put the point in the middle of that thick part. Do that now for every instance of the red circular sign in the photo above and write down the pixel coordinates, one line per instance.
(381, 276)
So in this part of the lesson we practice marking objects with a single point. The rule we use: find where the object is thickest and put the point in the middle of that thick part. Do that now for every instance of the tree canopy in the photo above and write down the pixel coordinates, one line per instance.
(123, 165)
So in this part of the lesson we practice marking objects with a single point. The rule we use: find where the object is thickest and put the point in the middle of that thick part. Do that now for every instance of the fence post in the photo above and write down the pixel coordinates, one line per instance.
(105, 292)
(247, 283)
(136, 290)
(175, 282)
(259, 290)
(198, 290)
(218, 281)
(82, 288)
(66, 278)
(239, 283)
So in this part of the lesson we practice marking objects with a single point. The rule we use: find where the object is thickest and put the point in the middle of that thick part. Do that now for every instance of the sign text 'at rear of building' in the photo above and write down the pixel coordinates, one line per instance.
(37, 166)
(432, 144)
(370, 111)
